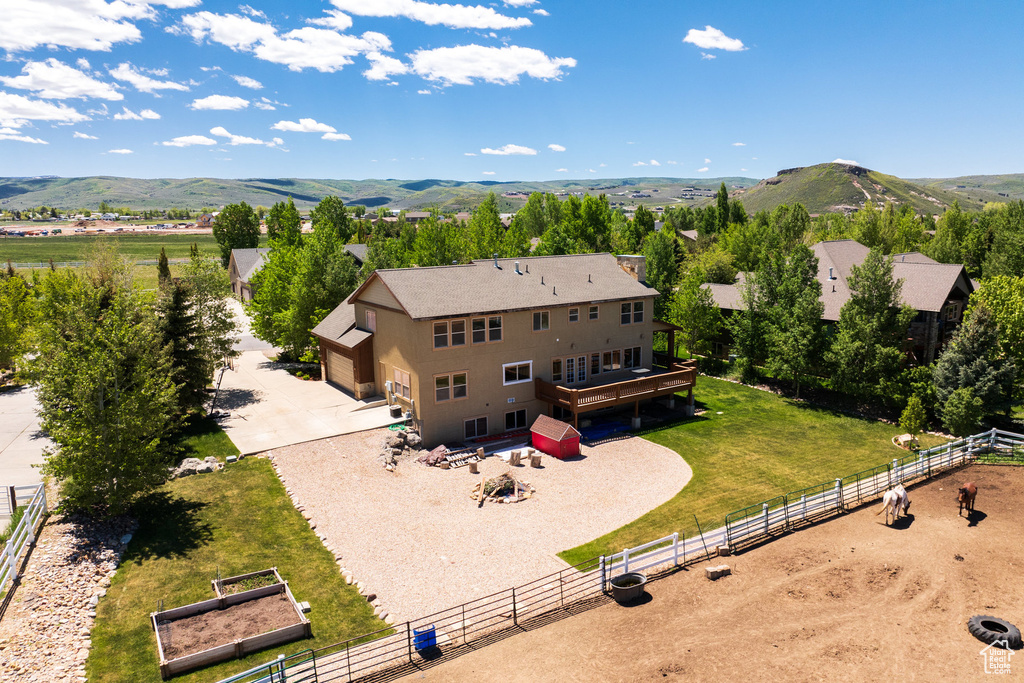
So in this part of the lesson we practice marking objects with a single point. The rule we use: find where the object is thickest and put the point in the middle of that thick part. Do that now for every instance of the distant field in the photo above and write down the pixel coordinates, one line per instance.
(78, 247)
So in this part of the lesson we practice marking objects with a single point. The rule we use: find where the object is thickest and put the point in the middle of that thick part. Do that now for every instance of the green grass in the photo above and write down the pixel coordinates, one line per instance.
(137, 247)
(5, 535)
(761, 446)
(146, 277)
(236, 521)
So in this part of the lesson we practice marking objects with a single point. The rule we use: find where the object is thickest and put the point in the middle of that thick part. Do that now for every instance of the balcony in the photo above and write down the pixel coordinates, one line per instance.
(673, 376)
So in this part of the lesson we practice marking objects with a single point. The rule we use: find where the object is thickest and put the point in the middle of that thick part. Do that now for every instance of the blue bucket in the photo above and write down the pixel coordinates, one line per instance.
(424, 638)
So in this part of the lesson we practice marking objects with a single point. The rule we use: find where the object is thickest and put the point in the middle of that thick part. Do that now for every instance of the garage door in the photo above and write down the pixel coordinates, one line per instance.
(341, 371)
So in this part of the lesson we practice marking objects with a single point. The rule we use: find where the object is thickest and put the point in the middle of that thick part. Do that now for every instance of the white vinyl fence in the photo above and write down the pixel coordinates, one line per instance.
(23, 536)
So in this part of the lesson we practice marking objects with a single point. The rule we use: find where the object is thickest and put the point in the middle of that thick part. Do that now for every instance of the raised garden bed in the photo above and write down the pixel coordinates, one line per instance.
(251, 612)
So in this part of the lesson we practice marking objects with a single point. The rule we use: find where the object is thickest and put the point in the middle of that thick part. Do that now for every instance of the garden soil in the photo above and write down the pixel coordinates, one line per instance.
(210, 629)
(847, 599)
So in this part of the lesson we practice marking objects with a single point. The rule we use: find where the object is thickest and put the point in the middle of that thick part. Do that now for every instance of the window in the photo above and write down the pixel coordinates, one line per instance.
(631, 357)
(595, 364)
(440, 335)
(632, 312)
(556, 370)
(517, 373)
(593, 312)
(401, 387)
(450, 387)
(611, 361)
(541, 321)
(458, 333)
(479, 330)
(574, 315)
(515, 420)
(494, 328)
(474, 427)
(486, 329)
(371, 320)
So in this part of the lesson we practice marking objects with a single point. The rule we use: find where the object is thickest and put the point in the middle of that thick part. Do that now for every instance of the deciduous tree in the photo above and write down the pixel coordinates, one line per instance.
(236, 227)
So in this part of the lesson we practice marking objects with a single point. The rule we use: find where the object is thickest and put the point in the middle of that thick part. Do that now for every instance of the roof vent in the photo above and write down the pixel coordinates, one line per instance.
(588, 278)
(833, 288)
(495, 259)
(518, 272)
(553, 292)
(542, 279)
(830, 275)
(527, 268)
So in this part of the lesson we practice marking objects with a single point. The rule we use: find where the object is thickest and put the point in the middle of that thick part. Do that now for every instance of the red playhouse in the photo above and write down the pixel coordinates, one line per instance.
(554, 437)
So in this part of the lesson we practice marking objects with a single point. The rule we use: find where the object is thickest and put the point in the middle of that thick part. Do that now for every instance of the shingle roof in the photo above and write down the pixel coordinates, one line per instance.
(480, 287)
(552, 428)
(726, 296)
(912, 257)
(337, 323)
(249, 261)
(926, 286)
(689, 234)
(358, 251)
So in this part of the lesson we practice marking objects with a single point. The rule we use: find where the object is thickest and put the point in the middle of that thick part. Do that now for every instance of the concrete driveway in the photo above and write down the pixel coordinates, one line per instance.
(270, 408)
(21, 443)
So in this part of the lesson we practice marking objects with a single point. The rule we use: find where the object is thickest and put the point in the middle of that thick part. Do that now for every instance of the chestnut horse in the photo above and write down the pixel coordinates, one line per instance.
(966, 497)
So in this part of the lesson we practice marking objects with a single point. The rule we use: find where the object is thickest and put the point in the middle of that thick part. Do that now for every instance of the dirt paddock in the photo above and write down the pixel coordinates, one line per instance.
(848, 599)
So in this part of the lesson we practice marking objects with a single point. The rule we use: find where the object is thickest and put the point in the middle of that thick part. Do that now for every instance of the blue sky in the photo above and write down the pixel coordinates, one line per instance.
(514, 90)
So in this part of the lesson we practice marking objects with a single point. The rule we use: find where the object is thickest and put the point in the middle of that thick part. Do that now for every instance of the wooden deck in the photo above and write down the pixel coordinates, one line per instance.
(680, 376)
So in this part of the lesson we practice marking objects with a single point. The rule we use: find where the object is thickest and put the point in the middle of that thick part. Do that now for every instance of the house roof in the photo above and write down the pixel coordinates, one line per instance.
(358, 251)
(553, 429)
(479, 287)
(338, 322)
(249, 261)
(927, 284)
(689, 234)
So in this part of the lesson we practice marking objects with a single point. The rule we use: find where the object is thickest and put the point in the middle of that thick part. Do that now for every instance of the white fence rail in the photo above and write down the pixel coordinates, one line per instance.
(23, 535)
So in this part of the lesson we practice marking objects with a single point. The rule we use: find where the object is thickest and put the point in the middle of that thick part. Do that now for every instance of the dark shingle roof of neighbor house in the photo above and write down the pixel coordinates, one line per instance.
(926, 283)
(249, 261)
(340, 326)
(358, 251)
(552, 428)
(480, 287)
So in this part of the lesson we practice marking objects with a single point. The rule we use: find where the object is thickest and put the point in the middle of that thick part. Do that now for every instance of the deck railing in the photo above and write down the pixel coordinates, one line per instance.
(626, 391)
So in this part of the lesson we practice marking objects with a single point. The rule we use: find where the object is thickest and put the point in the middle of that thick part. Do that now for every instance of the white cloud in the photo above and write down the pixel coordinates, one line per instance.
(129, 115)
(76, 24)
(601, 165)
(84, 136)
(590, 170)
(707, 161)
(845, 161)
(305, 48)
(469, 154)
(120, 151)
(53, 80)
(640, 163)
(739, 144)
(561, 170)
(252, 12)
(705, 55)
(702, 170)
(303, 126)
(235, 140)
(383, 67)
(424, 92)
(509, 150)
(130, 74)
(16, 110)
(210, 68)
(220, 103)
(247, 82)
(462, 64)
(335, 136)
(488, 172)
(82, 63)
(520, 3)
(189, 141)
(556, 148)
(671, 163)
(542, 12)
(654, 162)
(17, 137)
(744, 170)
(339, 21)
(713, 39)
(267, 104)
(452, 16)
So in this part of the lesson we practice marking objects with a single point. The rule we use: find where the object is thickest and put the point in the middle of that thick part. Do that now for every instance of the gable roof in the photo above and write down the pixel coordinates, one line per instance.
(249, 261)
(479, 287)
(358, 252)
(553, 429)
(337, 323)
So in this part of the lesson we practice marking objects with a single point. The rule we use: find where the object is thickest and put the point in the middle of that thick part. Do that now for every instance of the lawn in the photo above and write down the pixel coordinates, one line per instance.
(146, 277)
(761, 446)
(234, 521)
(135, 246)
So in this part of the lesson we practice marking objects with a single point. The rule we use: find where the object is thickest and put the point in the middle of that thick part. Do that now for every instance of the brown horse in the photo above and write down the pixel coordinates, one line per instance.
(966, 497)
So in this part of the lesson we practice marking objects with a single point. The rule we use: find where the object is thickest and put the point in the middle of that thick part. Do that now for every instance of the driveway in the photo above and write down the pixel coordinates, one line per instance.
(21, 443)
(270, 408)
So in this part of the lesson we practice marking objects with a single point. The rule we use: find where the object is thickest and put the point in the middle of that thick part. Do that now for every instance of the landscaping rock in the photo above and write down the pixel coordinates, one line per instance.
(190, 466)
(414, 440)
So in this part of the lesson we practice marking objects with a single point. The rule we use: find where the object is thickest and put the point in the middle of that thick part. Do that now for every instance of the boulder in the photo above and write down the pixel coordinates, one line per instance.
(414, 440)
(395, 440)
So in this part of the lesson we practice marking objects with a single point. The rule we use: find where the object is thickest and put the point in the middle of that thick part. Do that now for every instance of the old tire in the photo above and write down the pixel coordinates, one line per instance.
(992, 629)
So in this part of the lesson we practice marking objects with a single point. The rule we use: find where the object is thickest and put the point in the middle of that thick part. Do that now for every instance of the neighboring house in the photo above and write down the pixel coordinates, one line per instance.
(243, 265)
(415, 217)
(937, 291)
(205, 220)
(358, 252)
(485, 348)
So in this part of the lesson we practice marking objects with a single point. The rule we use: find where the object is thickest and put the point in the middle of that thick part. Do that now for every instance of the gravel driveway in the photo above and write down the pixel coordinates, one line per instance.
(418, 541)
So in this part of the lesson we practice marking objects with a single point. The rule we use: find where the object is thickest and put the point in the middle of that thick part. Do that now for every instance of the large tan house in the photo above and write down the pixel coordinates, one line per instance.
(243, 264)
(482, 349)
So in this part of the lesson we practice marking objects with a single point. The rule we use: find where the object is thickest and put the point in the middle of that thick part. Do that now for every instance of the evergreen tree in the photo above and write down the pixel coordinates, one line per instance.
(163, 269)
(183, 337)
(868, 345)
(962, 412)
(236, 227)
(722, 204)
(973, 360)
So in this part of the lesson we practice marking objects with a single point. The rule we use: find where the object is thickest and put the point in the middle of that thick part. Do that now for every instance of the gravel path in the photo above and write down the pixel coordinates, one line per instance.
(416, 539)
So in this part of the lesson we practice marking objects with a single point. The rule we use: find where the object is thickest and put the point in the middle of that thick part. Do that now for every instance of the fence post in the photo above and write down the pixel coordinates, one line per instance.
(839, 493)
(895, 469)
(11, 561)
(464, 641)
(604, 579)
(764, 509)
(675, 549)
(992, 439)
(803, 506)
(348, 658)
(625, 560)
(408, 639)
(515, 616)
(949, 455)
